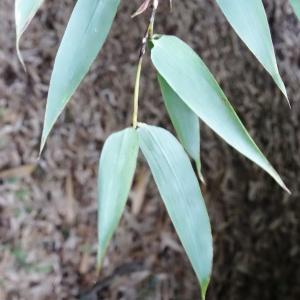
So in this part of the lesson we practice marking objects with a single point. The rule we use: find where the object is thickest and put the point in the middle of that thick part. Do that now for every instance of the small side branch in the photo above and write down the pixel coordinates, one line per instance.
(148, 35)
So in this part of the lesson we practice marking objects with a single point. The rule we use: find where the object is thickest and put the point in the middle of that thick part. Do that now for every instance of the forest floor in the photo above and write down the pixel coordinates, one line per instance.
(48, 211)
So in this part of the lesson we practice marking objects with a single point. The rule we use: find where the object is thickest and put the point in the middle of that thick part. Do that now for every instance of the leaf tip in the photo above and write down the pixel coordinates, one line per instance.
(42, 145)
(286, 97)
(279, 180)
(43, 141)
(283, 186)
(47, 127)
(278, 80)
(288, 101)
(199, 173)
(20, 57)
(287, 189)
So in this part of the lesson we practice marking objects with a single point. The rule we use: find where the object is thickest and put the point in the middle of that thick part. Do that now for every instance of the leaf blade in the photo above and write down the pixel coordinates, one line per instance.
(179, 188)
(189, 77)
(24, 13)
(249, 20)
(116, 171)
(84, 37)
(185, 122)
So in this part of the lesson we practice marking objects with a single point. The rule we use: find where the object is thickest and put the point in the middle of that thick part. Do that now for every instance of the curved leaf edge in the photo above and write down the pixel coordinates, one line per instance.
(203, 284)
(275, 74)
(103, 244)
(277, 177)
(64, 100)
(20, 31)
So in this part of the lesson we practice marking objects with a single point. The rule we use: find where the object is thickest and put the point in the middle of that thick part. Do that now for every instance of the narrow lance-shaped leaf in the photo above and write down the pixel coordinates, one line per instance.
(24, 12)
(249, 20)
(116, 170)
(189, 77)
(86, 32)
(185, 122)
(296, 6)
(180, 191)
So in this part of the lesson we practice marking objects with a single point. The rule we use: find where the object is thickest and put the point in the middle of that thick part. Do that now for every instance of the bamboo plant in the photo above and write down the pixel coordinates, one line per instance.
(191, 95)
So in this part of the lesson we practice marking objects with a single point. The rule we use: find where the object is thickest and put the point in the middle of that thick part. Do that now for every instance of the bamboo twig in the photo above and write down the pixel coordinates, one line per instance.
(147, 36)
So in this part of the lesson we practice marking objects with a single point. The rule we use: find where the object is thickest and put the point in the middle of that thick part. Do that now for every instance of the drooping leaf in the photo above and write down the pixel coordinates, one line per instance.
(180, 191)
(296, 6)
(249, 20)
(24, 12)
(116, 170)
(86, 32)
(191, 80)
(185, 122)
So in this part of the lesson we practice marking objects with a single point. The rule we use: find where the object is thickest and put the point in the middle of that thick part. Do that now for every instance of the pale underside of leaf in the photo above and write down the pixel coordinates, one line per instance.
(24, 13)
(85, 35)
(185, 122)
(249, 20)
(296, 6)
(180, 191)
(116, 171)
(189, 77)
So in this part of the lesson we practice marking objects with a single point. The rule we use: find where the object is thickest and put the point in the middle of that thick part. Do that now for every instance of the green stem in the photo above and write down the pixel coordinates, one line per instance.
(136, 93)
(148, 36)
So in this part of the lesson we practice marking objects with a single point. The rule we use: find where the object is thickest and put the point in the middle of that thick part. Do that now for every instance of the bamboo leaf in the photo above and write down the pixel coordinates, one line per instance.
(296, 6)
(116, 170)
(185, 122)
(179, 189)
(24, 13)
(86, 32)
(249, 20)
(191, 80)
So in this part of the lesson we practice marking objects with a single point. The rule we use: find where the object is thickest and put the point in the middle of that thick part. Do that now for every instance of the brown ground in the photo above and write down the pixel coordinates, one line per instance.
(48, 215)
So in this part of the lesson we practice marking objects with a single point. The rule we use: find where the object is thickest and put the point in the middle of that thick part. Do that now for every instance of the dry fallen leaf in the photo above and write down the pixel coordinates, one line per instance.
(142, 8)
(71, 202)
(139, 191)
(167, 240)
(18, 172)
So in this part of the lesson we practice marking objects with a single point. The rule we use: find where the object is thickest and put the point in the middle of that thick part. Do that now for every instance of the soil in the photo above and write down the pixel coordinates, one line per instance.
(48, 228)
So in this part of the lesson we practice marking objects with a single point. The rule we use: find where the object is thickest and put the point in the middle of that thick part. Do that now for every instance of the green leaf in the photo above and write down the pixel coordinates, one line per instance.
(86, 32)
(191, 80)
(179, 189)
(24, 12)
(185, 122)
(296, 6)
(249, 20)
(116, 170)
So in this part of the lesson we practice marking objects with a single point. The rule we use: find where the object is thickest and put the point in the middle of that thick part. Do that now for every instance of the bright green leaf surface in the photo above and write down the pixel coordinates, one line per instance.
(296, 6)
(24, 12)
(249, 20)
(179, 189)
(86, 32)
(116, 170)
(185, 122)
(189, 77)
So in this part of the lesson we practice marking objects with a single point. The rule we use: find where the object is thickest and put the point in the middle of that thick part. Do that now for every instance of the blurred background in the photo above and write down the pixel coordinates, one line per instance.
(48, 228)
